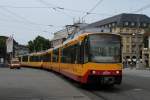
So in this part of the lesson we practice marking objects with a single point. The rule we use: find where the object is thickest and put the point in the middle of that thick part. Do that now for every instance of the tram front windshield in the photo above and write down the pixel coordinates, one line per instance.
(105, 48)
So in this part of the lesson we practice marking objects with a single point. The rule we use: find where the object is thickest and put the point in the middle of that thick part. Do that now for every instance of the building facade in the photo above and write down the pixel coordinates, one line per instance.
(61, 36)
(146, 49)
(3, 54)
(17, 50)
(131, 27)
(20, 50)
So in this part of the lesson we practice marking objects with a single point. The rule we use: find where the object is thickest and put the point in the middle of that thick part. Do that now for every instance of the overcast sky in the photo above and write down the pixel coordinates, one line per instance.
(26, 19)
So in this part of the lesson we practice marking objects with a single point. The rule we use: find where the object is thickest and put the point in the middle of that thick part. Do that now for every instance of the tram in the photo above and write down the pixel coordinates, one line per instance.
(86, 58)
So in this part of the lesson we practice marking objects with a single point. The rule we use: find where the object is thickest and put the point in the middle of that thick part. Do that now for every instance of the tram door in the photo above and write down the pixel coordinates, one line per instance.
(79, 58)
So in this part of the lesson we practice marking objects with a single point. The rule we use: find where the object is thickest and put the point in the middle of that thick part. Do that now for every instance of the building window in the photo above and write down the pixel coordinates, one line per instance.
(109, 25)
(144, 24)
(102, 26)
(133, 24)
(126, 23)
(113, 24)
(106, 26)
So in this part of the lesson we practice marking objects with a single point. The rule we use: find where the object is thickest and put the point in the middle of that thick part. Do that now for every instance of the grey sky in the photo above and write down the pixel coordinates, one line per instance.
(19, 18)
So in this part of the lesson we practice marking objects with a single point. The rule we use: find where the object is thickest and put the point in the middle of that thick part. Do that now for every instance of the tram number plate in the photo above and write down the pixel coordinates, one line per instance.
(106, 73)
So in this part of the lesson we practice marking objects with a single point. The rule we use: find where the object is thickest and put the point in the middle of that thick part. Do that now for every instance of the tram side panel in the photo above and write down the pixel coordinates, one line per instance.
(55, 60)
(47, 61)
(71, 65)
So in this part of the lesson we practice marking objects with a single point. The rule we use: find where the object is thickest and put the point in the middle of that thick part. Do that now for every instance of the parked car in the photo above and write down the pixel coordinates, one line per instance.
(14, 63)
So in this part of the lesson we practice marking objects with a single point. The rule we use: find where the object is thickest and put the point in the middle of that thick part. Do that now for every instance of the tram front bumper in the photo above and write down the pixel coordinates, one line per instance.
(103, 77)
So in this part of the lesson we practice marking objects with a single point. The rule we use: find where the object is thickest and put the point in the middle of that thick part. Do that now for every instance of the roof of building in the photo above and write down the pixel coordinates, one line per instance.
(124, 17)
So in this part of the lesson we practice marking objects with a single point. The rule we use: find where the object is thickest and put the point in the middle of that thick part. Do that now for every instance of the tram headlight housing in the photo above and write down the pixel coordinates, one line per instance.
(93, 72)
(117, 72)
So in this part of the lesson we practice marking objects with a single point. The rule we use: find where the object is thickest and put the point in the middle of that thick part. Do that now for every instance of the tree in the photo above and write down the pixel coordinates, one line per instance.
(2, 41)
(3, 47)
(39, 44)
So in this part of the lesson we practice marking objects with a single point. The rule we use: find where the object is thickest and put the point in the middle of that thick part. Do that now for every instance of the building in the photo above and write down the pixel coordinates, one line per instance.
(3, 54)
(146, 49)
(17, 50)
(20, 50)
(61, 36)
(131, 27)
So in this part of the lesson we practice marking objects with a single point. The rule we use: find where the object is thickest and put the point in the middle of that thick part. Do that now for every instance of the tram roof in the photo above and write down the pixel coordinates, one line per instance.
(82, 33)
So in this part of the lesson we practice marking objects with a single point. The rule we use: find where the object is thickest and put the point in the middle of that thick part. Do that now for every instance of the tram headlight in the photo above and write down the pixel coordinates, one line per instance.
(117, 72)
(93, 72)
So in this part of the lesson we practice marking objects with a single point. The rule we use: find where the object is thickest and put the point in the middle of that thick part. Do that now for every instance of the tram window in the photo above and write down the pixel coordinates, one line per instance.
(38, 58)
(86, 51)
(63, 57)
(46, 57)
(69, 54)
(73, 54)
(55, 55)
(32, 58)
(35, 58)
(66, 57)
(80, 53)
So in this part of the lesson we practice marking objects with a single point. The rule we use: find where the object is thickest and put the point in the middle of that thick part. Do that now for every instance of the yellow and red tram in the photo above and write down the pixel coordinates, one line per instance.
(87, 58)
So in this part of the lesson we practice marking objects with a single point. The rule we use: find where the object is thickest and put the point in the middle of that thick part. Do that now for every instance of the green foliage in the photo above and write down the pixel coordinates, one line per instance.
(2, 42)
(39, 44)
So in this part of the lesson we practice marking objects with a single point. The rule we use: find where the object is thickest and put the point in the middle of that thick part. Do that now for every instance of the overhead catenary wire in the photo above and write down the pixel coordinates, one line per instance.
(16, 20)
(45, 3)
(57, 8)
(93, 8)
(142, 8)
(54, 8)
(20, 17)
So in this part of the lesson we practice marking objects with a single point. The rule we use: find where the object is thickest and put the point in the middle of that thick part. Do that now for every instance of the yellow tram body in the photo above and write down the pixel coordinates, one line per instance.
(82, 71)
